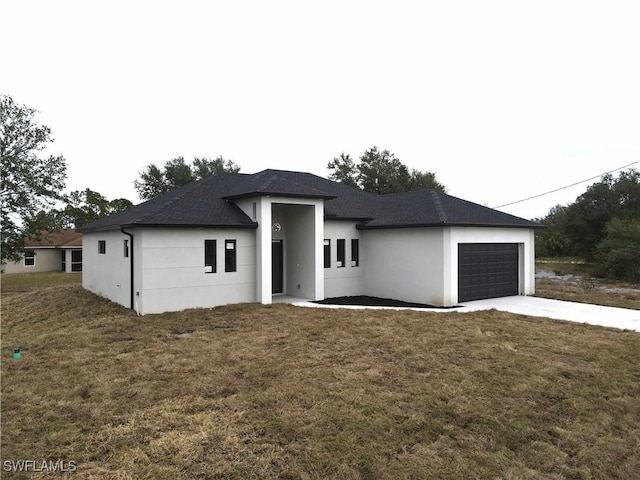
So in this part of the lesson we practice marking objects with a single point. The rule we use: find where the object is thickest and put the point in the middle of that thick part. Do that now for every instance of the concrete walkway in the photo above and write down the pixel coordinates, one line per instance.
(622, 318)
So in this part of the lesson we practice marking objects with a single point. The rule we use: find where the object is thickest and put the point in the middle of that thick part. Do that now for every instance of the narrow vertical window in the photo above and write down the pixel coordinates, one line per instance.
(327, 254)
(126, 248)
(355, 252)
(76, 260)
(209, 256)
(229, 255)
(102, 246)
(64, 260)
(341, 252)
(29, 258)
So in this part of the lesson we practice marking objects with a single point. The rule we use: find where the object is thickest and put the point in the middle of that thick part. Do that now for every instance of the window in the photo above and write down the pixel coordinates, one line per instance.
(63, 254)
(341, 252)
(327, 254)
(229, 255)
(209, 256)
(355, 252)
(102, 246)
(76, 260)
(29, 258)
(126, 248)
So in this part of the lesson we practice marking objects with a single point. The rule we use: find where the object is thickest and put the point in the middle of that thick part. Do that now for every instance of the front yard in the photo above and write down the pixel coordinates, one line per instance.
(253, 391)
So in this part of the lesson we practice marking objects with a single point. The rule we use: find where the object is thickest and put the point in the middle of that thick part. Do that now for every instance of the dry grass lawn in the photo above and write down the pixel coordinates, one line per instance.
(253, 391)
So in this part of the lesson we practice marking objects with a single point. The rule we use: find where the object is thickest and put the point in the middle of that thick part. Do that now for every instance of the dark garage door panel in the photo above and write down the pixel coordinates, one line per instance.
(487, 270)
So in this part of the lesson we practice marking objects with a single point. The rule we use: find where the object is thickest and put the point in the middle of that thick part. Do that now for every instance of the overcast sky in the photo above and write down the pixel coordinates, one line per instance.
(501, 99)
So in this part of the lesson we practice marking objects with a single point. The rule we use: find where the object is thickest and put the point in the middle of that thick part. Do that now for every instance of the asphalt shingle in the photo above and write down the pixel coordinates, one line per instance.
(210, 202)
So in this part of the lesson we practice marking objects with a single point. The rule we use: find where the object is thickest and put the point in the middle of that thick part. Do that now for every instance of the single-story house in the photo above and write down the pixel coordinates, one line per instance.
(236, 238)
(50, 252)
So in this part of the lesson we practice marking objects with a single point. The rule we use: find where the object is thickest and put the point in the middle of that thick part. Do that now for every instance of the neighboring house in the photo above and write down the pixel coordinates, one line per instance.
(235, 238)
(50, 252)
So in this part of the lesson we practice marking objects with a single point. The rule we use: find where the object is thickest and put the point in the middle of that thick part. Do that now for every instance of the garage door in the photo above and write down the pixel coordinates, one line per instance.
(487, 270)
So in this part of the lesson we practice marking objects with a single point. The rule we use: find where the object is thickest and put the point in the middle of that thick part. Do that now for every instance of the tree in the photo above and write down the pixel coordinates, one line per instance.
(602, 225)
(28, 182)
(343, 170)
(82, 207)
(380, 172)
(618, 254)
(155, 181)
(86, 206)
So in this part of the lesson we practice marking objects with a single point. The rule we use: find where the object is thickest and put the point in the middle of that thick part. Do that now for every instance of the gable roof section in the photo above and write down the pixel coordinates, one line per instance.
(198, 204)
(64, 238)
(210, 202)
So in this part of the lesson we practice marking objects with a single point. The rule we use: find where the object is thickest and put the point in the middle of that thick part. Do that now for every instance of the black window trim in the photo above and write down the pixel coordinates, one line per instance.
(327, 252)
(341, 253)
(230, 259)
(210, 257)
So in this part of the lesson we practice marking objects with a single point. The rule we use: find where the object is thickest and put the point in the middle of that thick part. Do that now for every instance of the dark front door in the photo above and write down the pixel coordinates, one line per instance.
(487, 270)
(277, 267)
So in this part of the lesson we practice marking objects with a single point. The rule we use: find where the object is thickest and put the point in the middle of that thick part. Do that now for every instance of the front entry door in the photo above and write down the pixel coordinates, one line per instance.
(277, 267)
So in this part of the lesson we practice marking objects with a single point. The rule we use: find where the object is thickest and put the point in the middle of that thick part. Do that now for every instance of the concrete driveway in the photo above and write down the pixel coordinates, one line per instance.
(623, 318)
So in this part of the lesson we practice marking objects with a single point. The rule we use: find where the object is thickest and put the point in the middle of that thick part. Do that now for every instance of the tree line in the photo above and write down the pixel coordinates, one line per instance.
(602, 226)
(32, 198)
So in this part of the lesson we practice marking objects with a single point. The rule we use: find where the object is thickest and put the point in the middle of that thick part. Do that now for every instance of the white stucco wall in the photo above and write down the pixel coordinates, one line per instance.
(173, 274)
(525, 237)
(347, 280)
(421, 264)
(301, 229)
(106, 274)
(405, 264)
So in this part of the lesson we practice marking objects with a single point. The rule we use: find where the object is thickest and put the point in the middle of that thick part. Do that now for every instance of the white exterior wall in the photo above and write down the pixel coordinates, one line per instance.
(173, 275)
(404, 264)
(107, 274)
(421, 264)
(301, 229)
(347, 280)
(525, 237)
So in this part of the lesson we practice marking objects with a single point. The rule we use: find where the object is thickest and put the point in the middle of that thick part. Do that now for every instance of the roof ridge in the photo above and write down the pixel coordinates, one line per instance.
(439, 208)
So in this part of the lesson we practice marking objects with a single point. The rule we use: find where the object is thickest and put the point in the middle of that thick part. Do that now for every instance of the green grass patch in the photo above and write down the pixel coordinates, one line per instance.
(257, 391)
(12, 283)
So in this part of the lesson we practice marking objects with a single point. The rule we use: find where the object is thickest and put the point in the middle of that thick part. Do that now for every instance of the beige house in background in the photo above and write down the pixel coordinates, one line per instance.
(52, 252)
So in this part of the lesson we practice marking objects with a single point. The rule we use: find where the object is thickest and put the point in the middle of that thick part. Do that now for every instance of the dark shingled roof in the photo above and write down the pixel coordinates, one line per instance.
(210, 202)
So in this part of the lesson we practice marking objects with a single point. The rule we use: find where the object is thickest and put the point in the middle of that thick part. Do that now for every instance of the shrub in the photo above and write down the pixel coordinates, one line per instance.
(618, 254)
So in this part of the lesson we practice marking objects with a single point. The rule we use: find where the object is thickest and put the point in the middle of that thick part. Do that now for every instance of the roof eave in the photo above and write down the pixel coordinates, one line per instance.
(170, 225)
(441, 224)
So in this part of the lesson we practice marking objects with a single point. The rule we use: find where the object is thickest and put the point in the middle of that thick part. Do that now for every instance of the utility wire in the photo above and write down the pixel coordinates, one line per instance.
(567, 186)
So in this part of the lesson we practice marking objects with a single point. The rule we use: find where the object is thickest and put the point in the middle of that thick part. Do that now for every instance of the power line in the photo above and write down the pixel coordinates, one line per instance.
(567, 186)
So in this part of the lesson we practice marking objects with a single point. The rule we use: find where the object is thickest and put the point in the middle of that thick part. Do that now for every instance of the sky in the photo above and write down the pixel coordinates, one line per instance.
(502, 100)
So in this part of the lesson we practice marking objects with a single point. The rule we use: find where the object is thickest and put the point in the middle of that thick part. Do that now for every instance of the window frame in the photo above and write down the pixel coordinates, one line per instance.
(327, 252)
(230, 256)
(29, 257)
(341, 253)
(210, 256)
(102, 247)
(76, 265)
(355, 252)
